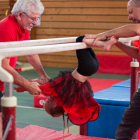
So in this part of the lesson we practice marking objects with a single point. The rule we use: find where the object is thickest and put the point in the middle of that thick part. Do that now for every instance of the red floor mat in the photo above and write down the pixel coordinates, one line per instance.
(100, 84)
(116, 64)
(33, 132)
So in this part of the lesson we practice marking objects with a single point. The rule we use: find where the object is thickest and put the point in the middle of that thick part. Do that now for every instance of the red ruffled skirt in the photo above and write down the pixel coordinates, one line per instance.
(75, 97)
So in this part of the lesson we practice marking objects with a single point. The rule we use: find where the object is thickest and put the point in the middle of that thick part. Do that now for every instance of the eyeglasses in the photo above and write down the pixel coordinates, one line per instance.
(33, 19)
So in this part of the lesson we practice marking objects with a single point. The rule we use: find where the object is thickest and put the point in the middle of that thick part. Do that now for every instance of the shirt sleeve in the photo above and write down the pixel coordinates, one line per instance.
(5, 37)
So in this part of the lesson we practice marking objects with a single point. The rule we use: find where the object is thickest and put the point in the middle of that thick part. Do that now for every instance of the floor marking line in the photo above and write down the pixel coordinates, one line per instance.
(25, 102)
(30, 107)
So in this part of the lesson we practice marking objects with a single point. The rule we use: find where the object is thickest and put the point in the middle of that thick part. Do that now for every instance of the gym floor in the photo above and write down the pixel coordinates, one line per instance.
(27, 114)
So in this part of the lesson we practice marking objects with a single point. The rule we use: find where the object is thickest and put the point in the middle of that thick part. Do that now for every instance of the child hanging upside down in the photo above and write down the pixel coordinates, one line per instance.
(70, 92)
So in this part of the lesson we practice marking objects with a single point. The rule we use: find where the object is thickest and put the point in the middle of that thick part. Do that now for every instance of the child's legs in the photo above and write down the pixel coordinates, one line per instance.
(89, 42)
(78, 76)
(106, 45)
(94, 57)
(87, 64)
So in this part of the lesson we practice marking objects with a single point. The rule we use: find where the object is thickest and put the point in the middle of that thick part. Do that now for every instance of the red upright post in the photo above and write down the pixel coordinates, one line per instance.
(8, 103)
(134, 77)
(83, 129)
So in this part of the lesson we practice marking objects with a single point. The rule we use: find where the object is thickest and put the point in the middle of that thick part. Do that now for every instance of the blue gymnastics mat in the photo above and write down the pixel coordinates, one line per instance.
(113, 96)
(125, 84)
(113, 103)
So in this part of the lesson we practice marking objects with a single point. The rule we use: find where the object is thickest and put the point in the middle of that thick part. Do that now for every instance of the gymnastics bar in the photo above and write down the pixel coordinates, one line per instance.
(8, 101)
(129, 39)
(39, 42)
(11, 52)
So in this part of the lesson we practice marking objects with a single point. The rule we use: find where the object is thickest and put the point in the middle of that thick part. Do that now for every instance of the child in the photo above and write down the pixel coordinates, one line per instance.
(70, 92)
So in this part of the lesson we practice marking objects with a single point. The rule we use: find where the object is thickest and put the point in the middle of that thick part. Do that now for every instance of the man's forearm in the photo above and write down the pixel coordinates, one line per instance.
(124, 31)
(129, 50)
(36, 63)
(18, 79)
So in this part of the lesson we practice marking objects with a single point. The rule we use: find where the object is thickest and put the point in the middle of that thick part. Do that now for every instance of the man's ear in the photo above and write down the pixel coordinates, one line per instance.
(19, 15)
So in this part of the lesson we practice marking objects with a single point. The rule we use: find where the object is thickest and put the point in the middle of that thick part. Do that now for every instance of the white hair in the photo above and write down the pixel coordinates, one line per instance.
(28, 6)
(136, 2)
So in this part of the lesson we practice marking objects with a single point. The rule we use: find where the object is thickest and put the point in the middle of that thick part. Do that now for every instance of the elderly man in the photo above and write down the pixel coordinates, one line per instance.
(131, 118)
(16, 27)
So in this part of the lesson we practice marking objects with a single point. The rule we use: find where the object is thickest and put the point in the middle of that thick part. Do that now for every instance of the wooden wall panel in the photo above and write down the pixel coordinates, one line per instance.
(85, 18)
(87, 3)
(4, 6)
(67, 18)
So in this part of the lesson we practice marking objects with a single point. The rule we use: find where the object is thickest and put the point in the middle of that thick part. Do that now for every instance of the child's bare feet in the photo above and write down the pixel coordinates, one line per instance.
(89, 42)
(108, 44)
(105, 45)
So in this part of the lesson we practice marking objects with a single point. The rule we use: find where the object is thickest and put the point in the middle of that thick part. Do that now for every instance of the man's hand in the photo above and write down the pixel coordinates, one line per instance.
(98, 37)
(109, 43)
(33, 88)
(34, 81)
(90, 36)
(44, 79)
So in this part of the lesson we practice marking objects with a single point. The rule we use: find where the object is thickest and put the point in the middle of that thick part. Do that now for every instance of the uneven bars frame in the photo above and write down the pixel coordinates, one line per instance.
(37, 50)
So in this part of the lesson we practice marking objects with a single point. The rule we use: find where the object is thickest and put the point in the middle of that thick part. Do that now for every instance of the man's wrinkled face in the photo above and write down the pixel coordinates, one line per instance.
(29, 20)
(134, 12)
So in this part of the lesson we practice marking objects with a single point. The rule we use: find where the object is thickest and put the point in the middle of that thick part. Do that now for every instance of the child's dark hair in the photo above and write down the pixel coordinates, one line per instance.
(52, 108)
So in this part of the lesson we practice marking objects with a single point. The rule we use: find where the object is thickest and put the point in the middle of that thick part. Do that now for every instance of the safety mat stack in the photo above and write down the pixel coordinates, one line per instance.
(33, 132)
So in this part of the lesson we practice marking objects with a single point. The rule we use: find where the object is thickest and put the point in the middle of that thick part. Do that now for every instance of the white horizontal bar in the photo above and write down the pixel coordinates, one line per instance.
(10, 52)
(129, 39)
(4, 75)
(38, 42)
(21, 51)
